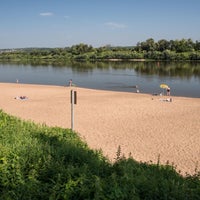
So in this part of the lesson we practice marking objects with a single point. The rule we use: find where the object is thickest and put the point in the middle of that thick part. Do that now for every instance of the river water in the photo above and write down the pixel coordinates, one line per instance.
(182, 77)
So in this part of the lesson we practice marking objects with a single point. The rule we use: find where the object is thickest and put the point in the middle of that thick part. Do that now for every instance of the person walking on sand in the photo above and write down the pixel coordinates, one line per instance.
(168, 91)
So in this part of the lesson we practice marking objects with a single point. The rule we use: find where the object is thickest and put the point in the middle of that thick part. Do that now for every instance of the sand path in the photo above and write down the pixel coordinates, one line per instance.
(146, 127)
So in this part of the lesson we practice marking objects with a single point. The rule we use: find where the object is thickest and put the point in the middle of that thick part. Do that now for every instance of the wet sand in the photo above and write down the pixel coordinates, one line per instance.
(141, 124)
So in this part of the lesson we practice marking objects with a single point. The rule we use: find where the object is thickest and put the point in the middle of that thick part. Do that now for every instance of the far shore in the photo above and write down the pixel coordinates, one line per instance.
(146, 127)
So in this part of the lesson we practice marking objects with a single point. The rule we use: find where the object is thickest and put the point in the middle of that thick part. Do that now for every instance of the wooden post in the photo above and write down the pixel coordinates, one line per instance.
(72, 109)
(73, 101)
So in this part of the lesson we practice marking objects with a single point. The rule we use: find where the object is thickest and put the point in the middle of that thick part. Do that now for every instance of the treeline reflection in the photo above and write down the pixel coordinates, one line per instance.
(174, 69)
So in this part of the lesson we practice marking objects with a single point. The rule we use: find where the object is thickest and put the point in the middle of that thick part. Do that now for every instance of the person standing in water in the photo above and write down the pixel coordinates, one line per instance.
(168, 91)
(70, 82)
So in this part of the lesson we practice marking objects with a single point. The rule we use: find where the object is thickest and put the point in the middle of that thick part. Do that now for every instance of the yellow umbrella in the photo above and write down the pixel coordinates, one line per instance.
(164, 86)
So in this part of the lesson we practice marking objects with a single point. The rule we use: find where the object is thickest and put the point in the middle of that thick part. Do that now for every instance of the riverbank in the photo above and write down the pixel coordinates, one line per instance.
(150, 127)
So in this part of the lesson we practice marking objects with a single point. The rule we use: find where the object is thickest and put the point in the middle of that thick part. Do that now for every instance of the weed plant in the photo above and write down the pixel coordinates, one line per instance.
(50, 163)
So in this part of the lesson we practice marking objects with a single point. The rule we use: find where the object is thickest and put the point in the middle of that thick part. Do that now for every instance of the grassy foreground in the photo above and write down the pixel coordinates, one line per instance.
(39, 162)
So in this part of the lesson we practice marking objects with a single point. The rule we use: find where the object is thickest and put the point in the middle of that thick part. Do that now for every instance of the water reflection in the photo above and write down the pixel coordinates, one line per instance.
(183, 77)
(177, 69)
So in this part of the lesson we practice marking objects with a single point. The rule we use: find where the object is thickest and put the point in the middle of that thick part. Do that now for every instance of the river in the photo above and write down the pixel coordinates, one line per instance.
(182, 77)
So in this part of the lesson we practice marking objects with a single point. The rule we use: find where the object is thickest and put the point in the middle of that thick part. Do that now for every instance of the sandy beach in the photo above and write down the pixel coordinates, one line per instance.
(142, 124)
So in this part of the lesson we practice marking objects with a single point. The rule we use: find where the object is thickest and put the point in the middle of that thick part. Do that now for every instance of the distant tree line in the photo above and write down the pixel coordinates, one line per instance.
(173, 50)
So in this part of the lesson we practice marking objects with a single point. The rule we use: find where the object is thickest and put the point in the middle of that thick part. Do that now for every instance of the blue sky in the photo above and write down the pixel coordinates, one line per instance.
(63, 23)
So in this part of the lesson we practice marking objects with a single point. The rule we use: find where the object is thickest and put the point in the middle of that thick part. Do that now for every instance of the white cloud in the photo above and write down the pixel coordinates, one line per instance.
(46, 14)
(114, 25)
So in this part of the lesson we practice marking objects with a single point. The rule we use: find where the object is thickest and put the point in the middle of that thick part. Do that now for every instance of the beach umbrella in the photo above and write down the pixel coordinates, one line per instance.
(163, 86)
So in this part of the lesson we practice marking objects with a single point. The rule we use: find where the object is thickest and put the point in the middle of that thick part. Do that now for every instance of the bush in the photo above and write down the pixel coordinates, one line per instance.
(39, 162)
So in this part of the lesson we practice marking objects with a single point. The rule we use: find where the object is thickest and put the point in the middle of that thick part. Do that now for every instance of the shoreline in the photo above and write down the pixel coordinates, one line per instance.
(141, 124)
(107, 90)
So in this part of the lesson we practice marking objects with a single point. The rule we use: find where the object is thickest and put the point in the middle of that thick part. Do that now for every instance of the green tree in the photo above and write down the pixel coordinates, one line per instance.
(197, 45)
(148, 45)
(184, 45)
(163, 45)
(81, 48)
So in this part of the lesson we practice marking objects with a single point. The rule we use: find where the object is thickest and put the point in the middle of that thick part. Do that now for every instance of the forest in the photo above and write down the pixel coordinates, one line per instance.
(161, 50)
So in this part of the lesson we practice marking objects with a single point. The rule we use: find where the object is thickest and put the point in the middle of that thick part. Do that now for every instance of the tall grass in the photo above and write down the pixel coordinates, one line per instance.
(39, 162)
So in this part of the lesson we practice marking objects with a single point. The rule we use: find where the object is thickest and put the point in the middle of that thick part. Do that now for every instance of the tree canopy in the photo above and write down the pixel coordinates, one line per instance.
(184, 49)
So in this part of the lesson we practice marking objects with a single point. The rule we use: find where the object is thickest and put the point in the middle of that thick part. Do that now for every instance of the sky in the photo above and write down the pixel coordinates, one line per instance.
(63, 23)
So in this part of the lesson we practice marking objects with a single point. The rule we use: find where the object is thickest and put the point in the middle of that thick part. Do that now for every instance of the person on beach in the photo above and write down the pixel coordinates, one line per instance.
(168, 91)
(70, 82)
(137, 89)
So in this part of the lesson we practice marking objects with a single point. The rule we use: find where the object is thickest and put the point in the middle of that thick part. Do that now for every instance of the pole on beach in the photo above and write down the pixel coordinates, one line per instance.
(73, 101)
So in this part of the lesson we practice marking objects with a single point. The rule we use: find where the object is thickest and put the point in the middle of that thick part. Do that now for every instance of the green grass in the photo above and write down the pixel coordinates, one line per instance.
(39, 162)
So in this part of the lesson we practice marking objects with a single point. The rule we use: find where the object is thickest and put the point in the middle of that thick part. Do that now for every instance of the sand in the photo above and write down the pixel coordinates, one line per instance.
(143, 125)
